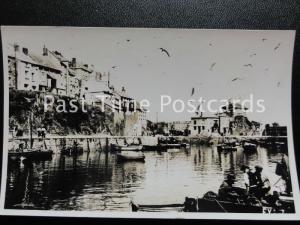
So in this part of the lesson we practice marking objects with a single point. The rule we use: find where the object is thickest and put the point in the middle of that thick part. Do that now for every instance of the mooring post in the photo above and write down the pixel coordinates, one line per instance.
(88, 146)
(106, 144)
(100, 145)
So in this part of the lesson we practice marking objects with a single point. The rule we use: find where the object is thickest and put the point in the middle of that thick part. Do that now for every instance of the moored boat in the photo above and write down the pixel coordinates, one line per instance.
(72, 150)
(31, 154)
(131, 147)
(249, 147)
(130, 156)
(170, 145)
(226, 148)
(126, 147)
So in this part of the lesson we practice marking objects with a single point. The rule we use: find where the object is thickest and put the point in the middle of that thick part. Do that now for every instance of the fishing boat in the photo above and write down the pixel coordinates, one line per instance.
(185, 145)
(126, 147)
(31, 153)
(170, 143)
(214, 205)
(249, 147)
(130, 156)
(157, 208)
(132, 147)
(73, 150)
(226, 148)
(207, 204)
(117, 147)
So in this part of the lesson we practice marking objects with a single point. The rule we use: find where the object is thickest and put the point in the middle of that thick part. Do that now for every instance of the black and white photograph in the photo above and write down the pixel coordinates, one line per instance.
(148, 122)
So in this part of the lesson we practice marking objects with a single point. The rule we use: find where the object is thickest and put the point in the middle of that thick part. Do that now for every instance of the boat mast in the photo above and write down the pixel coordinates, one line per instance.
(30, 128)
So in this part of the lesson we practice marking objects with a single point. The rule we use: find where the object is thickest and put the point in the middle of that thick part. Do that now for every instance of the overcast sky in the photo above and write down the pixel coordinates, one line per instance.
(206, 60)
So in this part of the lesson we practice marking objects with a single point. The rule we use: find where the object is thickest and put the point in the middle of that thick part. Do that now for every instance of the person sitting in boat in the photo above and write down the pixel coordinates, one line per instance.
(282, 170)
(227, 191)
(248, 178)
(262, 184)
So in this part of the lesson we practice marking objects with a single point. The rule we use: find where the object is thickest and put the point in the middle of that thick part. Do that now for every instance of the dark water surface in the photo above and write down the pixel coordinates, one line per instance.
(97, 181)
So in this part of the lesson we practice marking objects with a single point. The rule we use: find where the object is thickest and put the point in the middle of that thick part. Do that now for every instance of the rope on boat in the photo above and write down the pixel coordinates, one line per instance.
(277, 181)
(221, 205)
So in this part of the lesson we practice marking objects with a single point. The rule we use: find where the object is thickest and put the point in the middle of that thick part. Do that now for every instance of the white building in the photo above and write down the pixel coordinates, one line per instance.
(204, 124)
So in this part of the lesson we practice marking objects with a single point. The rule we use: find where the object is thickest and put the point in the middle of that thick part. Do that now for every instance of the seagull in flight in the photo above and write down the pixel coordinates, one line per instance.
(193, 91)
(165, 51)
(114, 67)
(254, 54)
(278, 83)
(264, 39)
(277, 46)
(236, 78)
(212, 66)
(246, 65)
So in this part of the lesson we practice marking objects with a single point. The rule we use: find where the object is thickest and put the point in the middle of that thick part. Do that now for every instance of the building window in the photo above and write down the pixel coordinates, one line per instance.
(25, 85)
(203, 127)
(195, 128)
(195, 122)
(34, 87)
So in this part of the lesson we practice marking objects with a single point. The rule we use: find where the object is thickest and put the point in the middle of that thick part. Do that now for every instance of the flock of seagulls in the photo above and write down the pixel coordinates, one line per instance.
(245, 65)
(248, 64)
(166, 52)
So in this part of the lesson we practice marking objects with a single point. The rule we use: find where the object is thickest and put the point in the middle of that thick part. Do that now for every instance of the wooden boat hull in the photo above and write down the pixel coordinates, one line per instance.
(157, 148)
(126, 147)
(168, 146)
(31, 155)
(205, 205)
(249, 147)
(132, 148)
(130, 157)
(160, 208)
(227, 148)
(216, 206)
(72, 151)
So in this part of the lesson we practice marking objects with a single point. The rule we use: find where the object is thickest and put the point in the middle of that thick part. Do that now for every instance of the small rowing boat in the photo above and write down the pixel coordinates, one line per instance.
(249, 147)
(226, 148)
(130, 156)
(131, 147)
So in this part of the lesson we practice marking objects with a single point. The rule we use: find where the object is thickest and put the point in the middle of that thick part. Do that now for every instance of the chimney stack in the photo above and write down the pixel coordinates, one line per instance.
(16, 47)
(45, 51)
(123, 90)
(25, 51)
(73, 62)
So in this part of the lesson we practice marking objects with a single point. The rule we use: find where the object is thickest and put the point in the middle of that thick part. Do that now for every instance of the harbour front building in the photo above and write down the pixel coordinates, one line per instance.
(232, 120)
(48, 72)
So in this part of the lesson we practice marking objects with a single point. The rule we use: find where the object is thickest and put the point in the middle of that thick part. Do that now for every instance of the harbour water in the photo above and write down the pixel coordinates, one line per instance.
(95, 180)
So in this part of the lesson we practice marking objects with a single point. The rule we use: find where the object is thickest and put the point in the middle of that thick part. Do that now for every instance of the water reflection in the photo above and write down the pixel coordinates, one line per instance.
(97, 181)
